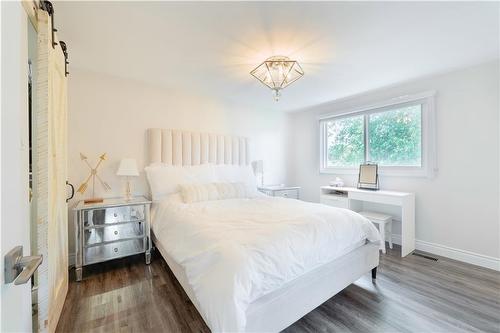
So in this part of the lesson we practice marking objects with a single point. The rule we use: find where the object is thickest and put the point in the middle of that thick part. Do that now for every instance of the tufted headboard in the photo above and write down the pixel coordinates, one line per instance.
(176, 147)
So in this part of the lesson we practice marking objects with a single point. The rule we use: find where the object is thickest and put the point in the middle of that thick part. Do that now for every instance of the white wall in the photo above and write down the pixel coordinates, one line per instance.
(459, 207)
(111, 114)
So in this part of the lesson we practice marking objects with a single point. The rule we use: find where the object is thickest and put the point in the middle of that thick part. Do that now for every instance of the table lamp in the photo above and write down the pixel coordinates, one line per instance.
(128, 168)
(258, 170)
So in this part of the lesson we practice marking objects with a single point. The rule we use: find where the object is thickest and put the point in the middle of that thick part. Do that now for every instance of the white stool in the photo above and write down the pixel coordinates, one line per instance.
(381, 220)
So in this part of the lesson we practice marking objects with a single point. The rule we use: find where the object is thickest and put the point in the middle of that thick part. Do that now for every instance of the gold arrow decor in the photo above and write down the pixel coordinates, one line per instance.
(92, 176)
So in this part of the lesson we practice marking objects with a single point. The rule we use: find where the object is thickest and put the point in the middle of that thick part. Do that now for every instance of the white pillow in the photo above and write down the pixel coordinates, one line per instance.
(236, 174)
(165, 179)
(199, 192)
(233, 190)
(213, 191)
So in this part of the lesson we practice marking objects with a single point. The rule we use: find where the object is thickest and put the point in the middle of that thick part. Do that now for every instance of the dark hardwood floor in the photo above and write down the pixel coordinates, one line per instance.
(411, 294)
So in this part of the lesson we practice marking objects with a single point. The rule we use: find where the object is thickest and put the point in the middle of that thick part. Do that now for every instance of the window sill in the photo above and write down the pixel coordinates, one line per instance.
(383, 171)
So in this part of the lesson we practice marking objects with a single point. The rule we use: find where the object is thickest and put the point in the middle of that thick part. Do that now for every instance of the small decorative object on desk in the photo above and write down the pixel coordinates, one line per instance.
(338, 182)
(92, 176)
(112, 229)
(128, 168)
(281, 191)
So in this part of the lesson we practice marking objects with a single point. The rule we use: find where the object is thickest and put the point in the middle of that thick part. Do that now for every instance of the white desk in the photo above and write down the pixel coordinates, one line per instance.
(351, 198)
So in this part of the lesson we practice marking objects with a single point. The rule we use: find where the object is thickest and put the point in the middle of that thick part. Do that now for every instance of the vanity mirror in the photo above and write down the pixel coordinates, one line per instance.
(368, 176)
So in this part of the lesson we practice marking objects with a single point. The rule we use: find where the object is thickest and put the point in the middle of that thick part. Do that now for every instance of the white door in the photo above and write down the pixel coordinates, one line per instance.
(50, 174)
(15, 224)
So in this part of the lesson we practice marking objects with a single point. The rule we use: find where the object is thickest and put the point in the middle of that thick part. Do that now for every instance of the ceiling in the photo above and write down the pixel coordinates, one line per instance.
(210, 47)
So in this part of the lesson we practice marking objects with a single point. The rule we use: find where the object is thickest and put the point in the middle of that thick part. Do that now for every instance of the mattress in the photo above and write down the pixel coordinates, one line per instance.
(232, 256)
(278, 310)
(181, 275)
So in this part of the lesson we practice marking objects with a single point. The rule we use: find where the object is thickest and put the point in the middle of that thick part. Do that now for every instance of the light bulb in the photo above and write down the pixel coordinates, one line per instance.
(276, 94)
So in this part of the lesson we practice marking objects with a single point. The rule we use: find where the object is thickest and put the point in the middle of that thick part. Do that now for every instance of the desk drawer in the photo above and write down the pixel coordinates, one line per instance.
(335, 201)
(109, 251)
(113, 232)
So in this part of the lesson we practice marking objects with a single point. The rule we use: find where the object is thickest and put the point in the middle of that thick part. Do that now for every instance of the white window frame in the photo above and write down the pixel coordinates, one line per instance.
(428, 166)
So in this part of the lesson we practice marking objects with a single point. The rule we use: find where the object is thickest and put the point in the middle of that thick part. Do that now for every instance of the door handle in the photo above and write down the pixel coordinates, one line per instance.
(19, 269)
(28, 265)
(72, 191)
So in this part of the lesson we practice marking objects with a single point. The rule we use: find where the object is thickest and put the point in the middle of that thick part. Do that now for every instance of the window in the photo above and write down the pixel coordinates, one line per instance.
(345, 142)
(395, 135)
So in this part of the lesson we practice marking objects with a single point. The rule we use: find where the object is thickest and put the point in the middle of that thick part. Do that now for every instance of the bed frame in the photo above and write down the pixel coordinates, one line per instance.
(175, 147)
(281, 308)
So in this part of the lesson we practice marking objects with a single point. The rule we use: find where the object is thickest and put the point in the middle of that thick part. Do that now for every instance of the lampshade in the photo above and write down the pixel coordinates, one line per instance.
(258, 167)
(278, 72)
(128, 167)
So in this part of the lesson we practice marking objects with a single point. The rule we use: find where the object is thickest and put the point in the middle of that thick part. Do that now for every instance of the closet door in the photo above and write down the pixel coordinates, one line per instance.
(51, 175)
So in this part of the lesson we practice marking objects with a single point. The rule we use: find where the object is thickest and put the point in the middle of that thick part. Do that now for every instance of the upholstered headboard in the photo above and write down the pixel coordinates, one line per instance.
(176, 147)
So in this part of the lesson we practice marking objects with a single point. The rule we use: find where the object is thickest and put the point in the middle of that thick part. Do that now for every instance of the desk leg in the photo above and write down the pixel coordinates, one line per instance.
(408, 227)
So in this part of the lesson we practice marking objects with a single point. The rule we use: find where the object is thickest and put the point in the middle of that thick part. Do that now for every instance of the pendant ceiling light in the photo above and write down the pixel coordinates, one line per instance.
(278, 72)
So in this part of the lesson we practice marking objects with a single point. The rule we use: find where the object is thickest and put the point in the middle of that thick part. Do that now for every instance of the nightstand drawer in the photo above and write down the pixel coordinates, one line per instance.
(293, 194)
(97, 217)
(109, 251)
(113, 232)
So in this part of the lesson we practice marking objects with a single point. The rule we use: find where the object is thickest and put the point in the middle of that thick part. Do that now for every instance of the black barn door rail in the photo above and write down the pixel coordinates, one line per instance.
(49, 8)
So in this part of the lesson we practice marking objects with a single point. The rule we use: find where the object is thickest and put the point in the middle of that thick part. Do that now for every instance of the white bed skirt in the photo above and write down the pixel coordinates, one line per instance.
(281, 308)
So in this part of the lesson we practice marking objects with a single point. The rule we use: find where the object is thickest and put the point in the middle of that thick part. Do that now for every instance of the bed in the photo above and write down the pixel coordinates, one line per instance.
(250, 263)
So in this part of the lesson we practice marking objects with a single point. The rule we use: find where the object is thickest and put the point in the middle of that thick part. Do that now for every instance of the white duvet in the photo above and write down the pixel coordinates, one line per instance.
(237, 250)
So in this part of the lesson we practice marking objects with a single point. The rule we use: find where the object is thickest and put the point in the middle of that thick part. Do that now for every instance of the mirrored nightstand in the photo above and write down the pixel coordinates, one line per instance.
(112, 229)
(292, 192)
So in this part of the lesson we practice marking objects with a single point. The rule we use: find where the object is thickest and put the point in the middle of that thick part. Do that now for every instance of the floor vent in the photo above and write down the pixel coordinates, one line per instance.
(424, 256)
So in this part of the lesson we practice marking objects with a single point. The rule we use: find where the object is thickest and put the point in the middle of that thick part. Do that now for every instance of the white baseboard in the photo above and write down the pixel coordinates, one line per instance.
(454, 253)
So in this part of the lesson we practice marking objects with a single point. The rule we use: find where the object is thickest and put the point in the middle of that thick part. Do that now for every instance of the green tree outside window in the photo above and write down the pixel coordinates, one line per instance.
(394, 138)
(345, 139)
